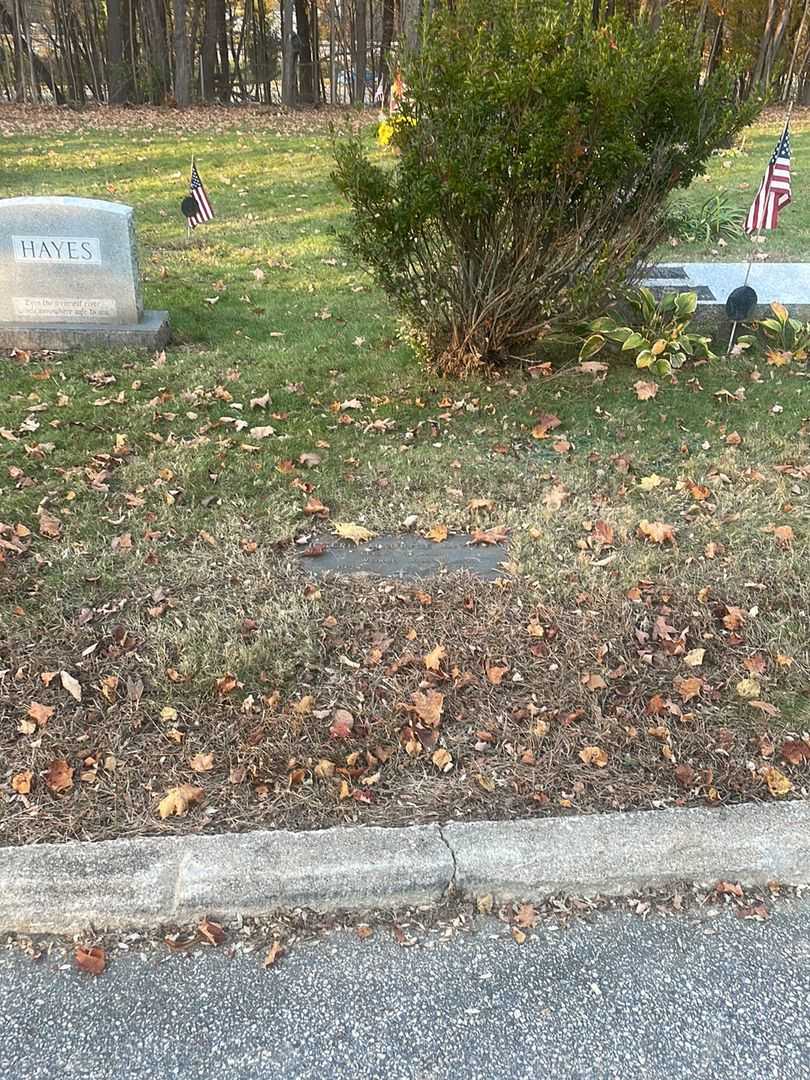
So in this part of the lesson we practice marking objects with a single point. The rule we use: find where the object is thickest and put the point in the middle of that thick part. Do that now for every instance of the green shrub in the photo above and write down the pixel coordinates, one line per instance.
(533, 173)
(658, 337)
(714, 220)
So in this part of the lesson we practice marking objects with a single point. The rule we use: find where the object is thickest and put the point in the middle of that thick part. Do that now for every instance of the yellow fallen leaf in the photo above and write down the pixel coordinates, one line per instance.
(178, 800)
(778, 783)
(273, 953)
(346, 530)
(748, 688)
(694, 658)
(437, 534)
(442, 759)
(434, 658)
(650, 483)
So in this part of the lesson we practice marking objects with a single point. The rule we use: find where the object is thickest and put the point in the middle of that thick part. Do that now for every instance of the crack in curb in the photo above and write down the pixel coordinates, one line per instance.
(450, 888)
(178, 884)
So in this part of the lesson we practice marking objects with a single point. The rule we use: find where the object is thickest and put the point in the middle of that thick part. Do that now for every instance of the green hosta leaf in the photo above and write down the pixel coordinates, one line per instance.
(686, 303)
(592, 345)
(635, 341)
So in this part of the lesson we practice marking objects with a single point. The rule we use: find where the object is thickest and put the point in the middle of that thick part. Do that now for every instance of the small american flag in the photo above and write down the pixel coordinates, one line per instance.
(205, 212)
(774, 191)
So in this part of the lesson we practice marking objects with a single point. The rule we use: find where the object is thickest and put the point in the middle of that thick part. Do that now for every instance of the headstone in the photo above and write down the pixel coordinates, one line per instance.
(69, 276)
(714, 283)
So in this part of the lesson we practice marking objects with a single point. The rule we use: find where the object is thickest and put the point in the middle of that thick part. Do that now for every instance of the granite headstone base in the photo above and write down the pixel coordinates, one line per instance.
(152, 332)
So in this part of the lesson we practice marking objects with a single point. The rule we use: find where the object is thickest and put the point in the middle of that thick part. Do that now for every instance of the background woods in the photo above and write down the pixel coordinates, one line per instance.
(310, 51)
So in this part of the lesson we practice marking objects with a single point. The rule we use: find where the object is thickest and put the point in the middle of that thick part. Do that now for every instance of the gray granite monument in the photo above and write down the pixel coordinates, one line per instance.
(69, 276)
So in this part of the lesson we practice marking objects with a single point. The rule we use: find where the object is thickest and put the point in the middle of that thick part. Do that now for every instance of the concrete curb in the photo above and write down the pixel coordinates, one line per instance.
(64, 888)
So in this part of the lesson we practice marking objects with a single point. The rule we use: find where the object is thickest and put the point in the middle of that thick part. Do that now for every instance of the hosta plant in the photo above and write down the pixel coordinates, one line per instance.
(658, 337)
(784, 338)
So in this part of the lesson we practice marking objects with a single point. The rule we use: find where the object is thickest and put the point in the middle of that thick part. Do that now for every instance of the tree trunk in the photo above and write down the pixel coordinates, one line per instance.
(208, 57)
(305, 65)
(386, 37)
(411, 19)
(182, 55)
(287, 54)
(360, 52)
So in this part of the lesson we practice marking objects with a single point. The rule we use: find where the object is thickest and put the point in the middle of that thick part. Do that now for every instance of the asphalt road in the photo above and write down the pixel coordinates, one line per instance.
(669, 998)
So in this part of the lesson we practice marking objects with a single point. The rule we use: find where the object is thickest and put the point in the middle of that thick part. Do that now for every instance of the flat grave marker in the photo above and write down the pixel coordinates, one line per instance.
(69, 276)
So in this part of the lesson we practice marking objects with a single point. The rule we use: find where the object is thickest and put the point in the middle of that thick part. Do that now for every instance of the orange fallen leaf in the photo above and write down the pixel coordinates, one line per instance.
(211, 932)
(657, 532)
(546, 423)
(428, 706)
(21, 782)
(495, 674)
(783, 535)
(275, 951)
(59, 776)
(795, 751)
(442, 759)
(49, 525)
(178, 800)
(438, 534)
(201, 763)
(93, 961)
(689, 688)
(40, 713)
(594, 755)
(314, 506)
(497, 535)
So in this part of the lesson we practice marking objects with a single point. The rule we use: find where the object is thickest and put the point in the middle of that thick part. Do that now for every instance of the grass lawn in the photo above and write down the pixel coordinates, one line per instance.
(150, 507)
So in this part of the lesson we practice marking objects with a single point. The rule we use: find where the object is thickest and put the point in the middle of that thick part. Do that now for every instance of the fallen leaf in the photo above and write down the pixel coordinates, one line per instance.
(645, 390)
(201, 763)
(40, 713)
(526, 916)
(778, 783)
(211, 932)
(442, 759)
(434, 658)
(356, 533)
(748, 688)
(685, 775)
(753, 911)
(497, 535)
(650, 483)
(71, 685)
(783, 535)
(178, 800)
(275, 951)
(555, 497)
(438, 534)
(93, 961)
(59, 776)
(594, 755)
(310, 460)
(21, 782)
(518, 935)
(315, 506)
(689, 688)
(428, 706)
(657, 532)
(49, 525)
(593, 681)
(342, 724)
(728, 888)
(546, 423)
(795, 751)
(694, 658)
(495, 674)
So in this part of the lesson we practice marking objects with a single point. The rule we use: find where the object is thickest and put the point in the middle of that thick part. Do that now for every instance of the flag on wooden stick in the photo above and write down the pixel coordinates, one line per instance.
(774, 192)
(204, 211)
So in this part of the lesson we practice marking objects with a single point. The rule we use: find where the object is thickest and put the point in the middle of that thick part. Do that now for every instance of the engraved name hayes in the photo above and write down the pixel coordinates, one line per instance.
(74, 250)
